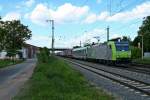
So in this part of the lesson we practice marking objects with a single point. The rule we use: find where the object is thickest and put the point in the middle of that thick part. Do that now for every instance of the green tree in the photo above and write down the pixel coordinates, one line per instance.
(144, 30)
(44, 55)
(16, 35)
(125, 38)
(2, 35)
(136, 41)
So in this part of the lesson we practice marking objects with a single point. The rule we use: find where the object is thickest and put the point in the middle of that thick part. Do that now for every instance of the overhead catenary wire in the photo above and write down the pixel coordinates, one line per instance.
(122, 9)
(127, 26)
(127, 6)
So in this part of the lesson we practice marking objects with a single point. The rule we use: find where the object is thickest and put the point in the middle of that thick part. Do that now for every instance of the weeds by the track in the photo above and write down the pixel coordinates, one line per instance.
(144, 61)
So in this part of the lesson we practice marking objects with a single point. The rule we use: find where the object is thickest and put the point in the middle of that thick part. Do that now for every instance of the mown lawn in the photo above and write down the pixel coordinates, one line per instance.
(56, 80)
(5, 63)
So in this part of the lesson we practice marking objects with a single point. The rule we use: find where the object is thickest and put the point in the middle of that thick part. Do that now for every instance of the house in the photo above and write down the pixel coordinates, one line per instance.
(27, 52)
(3, 54)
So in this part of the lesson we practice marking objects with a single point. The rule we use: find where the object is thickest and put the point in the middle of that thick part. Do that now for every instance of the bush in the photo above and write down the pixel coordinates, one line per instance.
(135, 53)
(44, 55)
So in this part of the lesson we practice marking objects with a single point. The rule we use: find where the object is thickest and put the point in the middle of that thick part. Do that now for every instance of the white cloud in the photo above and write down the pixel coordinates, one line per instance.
(103, 16)
(115, 36)
(139, 11)
(91, 18)
(46, 41)
(65, 43)
(39, 15)
(88, 37)
(64, 13)
(29, 3)
(12, 16)
(68, 12)
(36, 40)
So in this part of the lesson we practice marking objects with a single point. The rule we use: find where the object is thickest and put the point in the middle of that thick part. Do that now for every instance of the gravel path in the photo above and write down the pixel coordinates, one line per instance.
(122, 92)
(13, 78)
(134, 75)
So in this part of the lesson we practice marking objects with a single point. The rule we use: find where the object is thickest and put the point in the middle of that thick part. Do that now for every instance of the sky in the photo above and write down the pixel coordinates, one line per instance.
(76, 20)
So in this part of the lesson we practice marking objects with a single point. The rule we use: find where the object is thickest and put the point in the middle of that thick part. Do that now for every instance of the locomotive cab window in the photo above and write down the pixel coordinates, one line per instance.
(122, 47)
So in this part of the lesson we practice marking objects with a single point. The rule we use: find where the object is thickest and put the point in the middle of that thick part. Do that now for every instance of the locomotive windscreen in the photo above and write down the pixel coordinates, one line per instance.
(122, 46)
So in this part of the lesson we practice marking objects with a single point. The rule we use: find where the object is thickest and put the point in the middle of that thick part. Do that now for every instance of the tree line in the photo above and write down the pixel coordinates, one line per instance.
(13, 35)
(144, 30)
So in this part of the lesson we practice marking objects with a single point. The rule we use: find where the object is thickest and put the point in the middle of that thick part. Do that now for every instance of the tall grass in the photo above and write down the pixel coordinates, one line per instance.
(56, 80)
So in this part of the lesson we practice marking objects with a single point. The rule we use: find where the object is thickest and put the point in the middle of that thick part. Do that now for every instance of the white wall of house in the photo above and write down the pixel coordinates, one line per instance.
(3, 54)
(146, 54)
(24, 53)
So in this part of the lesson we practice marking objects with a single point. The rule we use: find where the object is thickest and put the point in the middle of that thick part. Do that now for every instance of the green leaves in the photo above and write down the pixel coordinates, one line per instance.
(44, 55)
(144, 30)
(13, 35)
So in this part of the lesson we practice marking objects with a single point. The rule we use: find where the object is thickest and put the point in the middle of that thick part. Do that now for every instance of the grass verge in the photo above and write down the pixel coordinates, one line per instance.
(56, 80)
(144, 61)
(5, 63)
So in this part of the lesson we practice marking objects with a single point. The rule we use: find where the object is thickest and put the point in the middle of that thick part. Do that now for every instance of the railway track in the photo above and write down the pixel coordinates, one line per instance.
(139, 86)
(134, 68)
(129, 67)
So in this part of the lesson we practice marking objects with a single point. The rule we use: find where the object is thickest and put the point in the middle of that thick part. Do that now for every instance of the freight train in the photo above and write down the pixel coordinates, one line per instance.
(111, 52)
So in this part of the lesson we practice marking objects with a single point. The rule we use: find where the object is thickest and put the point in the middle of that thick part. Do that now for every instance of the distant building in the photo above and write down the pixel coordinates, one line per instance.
(3, 54)
(27, 52)
(146, 54)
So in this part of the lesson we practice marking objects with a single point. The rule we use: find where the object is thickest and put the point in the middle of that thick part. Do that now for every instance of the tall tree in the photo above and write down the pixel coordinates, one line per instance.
(2, 35)
(16, 35)
(144, 31)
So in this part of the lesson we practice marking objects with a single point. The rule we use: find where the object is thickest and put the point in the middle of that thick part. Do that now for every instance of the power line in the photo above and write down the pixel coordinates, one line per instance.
(127, 6)
(122, 9)
(127, 26)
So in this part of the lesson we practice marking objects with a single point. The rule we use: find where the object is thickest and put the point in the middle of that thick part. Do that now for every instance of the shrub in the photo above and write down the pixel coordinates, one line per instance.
(135, 53)
(44, 55)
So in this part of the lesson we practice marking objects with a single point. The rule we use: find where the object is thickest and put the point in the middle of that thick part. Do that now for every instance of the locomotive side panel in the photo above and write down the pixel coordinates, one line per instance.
(79, 53)
(99, 52)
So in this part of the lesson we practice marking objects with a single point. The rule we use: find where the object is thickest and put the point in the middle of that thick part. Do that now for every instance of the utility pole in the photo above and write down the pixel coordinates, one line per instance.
(80, 43)
(142, 46)
(107, 33)
(52, 21)
(109, 9)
